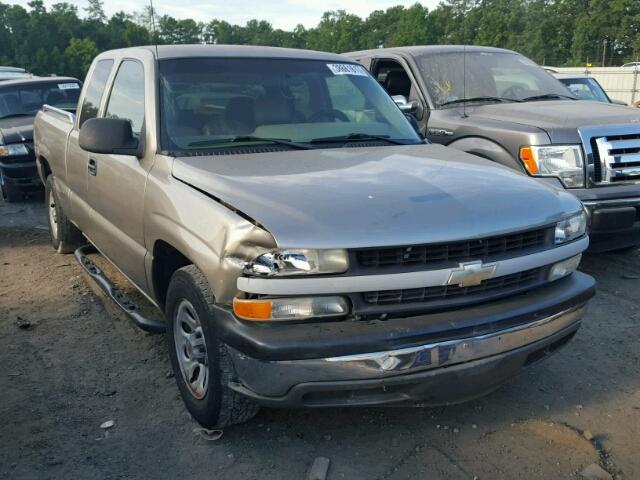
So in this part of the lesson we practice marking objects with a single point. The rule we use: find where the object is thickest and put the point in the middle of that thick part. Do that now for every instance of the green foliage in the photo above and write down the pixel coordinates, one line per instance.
(78, 56)
(63, 41)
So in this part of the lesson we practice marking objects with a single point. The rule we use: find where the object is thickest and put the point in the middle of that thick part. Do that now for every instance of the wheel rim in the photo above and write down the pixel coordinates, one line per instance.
(191, 349)
(53, 216)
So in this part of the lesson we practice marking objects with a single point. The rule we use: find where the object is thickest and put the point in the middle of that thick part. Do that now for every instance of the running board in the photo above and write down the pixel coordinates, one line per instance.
(118, 296)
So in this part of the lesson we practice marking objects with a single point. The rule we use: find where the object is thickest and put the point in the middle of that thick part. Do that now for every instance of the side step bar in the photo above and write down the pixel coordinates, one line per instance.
(125, 303)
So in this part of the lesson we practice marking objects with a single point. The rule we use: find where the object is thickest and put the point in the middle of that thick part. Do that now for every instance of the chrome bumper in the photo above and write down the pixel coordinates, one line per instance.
(276, 378)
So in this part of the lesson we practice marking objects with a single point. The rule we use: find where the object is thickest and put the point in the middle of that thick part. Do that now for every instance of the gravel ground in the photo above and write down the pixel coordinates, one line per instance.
(69, 362)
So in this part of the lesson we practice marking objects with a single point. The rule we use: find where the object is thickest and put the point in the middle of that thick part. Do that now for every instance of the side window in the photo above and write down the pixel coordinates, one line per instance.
(95, 89)
(393, 78)
(127, 95)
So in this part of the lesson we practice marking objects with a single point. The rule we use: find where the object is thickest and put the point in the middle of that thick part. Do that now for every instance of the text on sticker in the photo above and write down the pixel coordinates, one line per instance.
(347, 69)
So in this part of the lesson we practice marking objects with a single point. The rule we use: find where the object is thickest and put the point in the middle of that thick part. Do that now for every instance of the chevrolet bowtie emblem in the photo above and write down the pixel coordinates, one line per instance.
(471, 273)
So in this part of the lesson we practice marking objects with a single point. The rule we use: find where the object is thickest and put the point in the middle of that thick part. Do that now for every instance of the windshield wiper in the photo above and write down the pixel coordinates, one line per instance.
(480, 99)
(250, 138)
(547, 96)
(351, 137)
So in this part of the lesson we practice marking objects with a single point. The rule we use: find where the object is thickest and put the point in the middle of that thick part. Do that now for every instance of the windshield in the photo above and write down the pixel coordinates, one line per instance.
(28, 99)
(586, 89)
(506, 76)
(212, 102)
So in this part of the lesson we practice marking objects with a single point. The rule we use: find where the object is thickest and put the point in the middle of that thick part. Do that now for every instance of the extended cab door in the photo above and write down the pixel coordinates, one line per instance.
(77, 159)
(116, 183)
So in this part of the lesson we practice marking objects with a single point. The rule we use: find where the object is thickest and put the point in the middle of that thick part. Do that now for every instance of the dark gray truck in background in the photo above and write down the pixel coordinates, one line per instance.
(511, 111)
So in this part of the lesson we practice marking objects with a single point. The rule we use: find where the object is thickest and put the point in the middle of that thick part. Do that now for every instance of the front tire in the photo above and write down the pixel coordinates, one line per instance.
(200, 361)
(65, 236)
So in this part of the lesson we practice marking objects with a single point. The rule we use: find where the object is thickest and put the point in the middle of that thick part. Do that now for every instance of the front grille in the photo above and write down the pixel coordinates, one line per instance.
(455, 252)
(616, 158)
(494, 287)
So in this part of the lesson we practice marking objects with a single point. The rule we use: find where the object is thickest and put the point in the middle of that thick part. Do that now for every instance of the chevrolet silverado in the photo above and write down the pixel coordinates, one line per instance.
(304, 244)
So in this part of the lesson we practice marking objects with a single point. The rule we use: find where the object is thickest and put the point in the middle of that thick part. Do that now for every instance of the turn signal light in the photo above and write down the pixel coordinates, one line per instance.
(256, 310)
(529, 161)
(290, 308)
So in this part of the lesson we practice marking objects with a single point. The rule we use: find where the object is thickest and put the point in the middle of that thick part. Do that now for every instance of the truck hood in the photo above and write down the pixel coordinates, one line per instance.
(376, 196)
(551, 115)
(16, 129)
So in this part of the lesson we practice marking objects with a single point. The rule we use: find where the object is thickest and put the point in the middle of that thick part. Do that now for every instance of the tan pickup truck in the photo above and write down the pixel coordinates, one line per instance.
(304, 244)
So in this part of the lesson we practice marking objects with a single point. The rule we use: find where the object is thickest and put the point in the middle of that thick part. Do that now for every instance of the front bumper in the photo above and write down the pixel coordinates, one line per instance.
(445, 357)
(21, 173)
(614, 216)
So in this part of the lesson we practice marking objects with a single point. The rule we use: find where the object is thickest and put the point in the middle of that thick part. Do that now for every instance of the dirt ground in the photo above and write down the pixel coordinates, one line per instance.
(69, 362)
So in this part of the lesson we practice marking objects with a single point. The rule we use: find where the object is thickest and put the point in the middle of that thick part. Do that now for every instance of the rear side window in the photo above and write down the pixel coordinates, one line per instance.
(95, 89)
(127, 95)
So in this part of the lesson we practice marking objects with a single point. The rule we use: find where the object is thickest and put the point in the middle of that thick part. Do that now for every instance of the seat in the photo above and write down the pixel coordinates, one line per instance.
(397, 82)
(274, 110)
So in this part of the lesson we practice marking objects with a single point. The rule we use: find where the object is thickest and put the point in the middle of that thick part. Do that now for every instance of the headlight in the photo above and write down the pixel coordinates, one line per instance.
(13, 150)
(299, 262)
(562, 161)
(571, 228)
(564, 268)
(294, 308)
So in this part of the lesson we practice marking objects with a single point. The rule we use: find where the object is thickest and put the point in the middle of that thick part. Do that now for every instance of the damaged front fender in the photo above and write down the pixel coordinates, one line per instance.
(215, 238)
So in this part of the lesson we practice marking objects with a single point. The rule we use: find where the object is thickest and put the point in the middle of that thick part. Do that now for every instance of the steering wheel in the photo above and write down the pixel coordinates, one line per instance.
(328, 114)
(514, 91)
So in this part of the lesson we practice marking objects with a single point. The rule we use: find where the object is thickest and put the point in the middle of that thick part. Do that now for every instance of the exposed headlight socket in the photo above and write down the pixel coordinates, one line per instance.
(299, 261)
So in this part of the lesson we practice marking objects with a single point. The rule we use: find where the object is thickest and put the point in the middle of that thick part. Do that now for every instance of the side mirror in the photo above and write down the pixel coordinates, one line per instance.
(404, 104)
(619, 102)
(110, 136)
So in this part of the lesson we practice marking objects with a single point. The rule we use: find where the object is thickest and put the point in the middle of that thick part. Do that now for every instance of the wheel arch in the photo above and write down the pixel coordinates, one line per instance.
(167, 259)
(43, 167)
(488, 149)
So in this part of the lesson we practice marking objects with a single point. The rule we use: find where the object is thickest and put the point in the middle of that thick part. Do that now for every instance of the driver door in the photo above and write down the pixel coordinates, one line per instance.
(116, 183)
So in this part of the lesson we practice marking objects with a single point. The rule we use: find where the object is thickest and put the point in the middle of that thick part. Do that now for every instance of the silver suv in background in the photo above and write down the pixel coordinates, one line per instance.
(501, 106)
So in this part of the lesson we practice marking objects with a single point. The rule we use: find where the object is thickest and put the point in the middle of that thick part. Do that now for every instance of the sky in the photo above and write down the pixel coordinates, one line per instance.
(285, 14)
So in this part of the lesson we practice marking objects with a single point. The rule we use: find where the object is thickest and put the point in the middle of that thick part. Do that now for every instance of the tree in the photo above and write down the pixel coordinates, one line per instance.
(79, 55)
(413, 27)
(95, 11)
(555, 32)
(172, 31)
(338, 31)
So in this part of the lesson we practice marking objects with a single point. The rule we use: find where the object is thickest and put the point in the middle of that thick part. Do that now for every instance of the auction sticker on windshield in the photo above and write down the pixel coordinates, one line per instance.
(347, 69)
(68, 86)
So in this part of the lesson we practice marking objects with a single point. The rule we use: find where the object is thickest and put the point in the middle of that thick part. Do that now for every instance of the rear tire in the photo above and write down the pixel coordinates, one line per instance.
(10, 193)
(65, 236)
(201, 363)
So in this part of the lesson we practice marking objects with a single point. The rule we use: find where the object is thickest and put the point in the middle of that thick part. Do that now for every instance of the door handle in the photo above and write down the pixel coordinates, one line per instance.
(92, 167)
